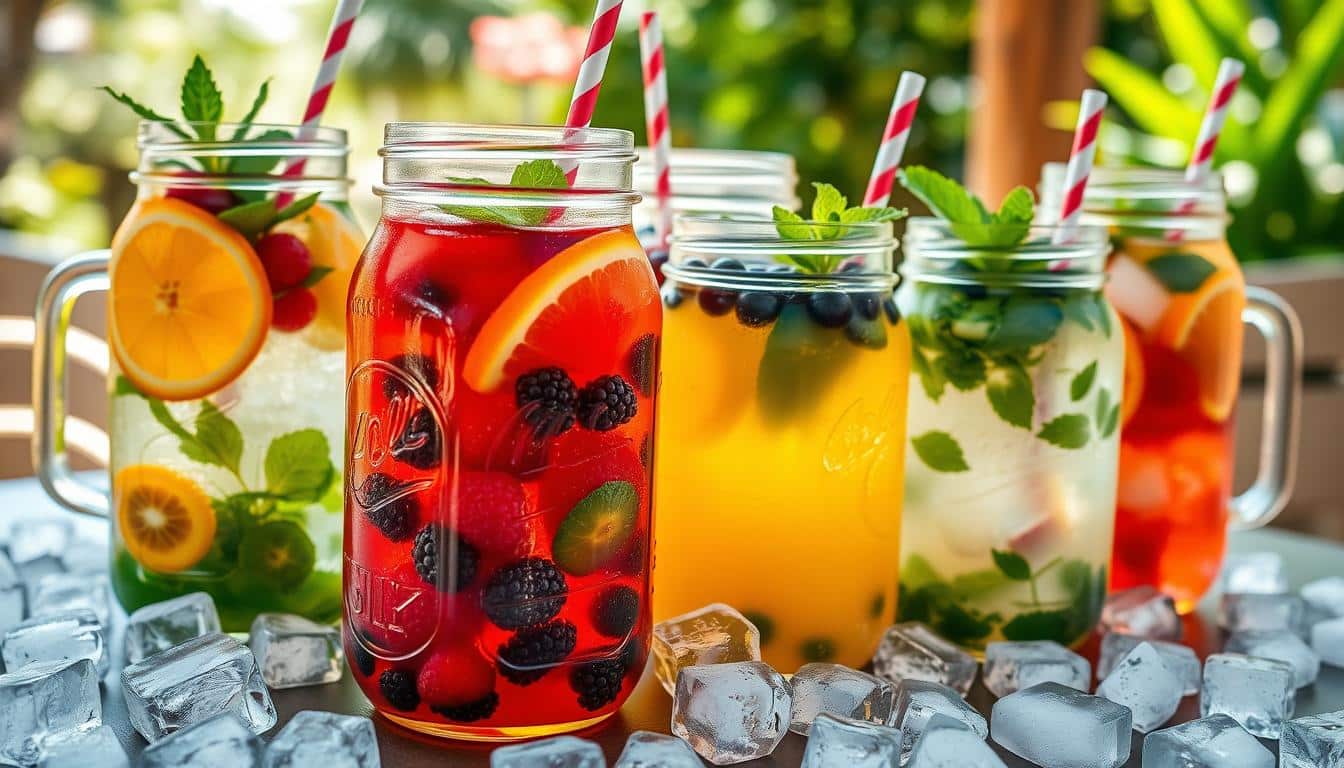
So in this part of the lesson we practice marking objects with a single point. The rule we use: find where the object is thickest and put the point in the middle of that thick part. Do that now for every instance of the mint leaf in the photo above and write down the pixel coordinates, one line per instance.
(257, 103)
(201, 99)
(947, 199)
(1026, 321)
(930, 378)
(1010, 394)
(1181, 272)
(250, 219)
(539, 174)
(964, 368)
(1017, 207)
(257, 165)
(1112, 421)
(533, 174)
(296, 208)
(801, 363)
(1070, 431)
(315, 275)
(1040, 625)
(829, 204)
(940, 452)
(147, 113)
(918, 572)
(298, 466)
(1082, 382)
(218, 440)
(1103, 407)
(871, 215)
(1011, 564)
(790, 225)
(164, 417)
(123, 386)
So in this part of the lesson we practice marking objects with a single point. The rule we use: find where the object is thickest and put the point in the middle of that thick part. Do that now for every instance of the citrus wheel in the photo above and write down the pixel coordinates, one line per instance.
(1212, 347)
(582, 310)
(335, 243)
(1135, 374)
(189, 305)
(165, 519)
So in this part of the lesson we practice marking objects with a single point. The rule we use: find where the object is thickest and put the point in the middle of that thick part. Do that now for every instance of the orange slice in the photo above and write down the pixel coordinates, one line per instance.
(1212, 347)
(336, 243)
(1134, 374)
(189, 305)
(165, 519)
(582, 311)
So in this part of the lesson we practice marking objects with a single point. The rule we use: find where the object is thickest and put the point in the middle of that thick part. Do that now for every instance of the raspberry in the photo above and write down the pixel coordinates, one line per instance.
(210, 199)
(546, 398)
(643, 363)
(471, 711)
(293, 310)
(398, 687)
(494, 512)
(583, 461)
(285, 258)
(528, 592)
(532, 652)
(413, 365)
(607, 403)
(434, 542)
(598, 683)
(616, 610)
(455, 677)
(419, 443)
(394, 515)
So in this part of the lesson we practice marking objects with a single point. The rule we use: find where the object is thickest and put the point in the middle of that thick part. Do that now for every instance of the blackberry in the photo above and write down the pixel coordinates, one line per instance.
(607, 403)
(546, 397)
(471, 711)
(363, 660)
(398, 688)
(643, 363)
(434, 542)
(418, 444)
(830, 309)
(758, 308)
(395, 517)
(415, 366)
(532, 652)
(716, 303)
(598, 683)
(616, 610)
(527, 592)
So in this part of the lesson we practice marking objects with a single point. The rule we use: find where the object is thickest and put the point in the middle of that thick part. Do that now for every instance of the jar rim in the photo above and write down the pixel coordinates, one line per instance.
(171, 156)
(160, 134)
(935, 252)
(447, 140)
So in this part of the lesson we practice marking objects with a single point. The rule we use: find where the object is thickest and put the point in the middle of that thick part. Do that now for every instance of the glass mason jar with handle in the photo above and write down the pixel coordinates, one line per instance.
(1183, 301)
(1015, 396)
(503, 360)
(226, 311)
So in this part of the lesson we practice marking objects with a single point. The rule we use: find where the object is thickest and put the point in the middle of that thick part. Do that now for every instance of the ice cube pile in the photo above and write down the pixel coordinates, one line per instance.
(839, 741)
(73, 634)
(1142, 611)
(1143, 682)
(834, 689)
(294, 651)
(160, 626)
(646, 749)
(1062, 727)
(1315, 741)
(730, 713)
(948, 743)
(73, 749)
(715, 634)
(44, 699)
(912, 651)
(920, 702)
(1180, 659)
(555, 752)
(1013, 665)
(312, 739)
(1216, 740)
(219, 741)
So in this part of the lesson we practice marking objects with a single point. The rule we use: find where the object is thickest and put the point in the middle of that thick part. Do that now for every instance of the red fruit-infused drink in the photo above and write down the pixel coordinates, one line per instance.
(503, 356)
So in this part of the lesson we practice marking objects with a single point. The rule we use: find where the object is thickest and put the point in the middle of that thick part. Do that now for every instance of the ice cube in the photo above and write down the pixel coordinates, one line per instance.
(1327, 640)
(63, 592)
(730, 713)
(918, 702)
(220, 741)
(1240, 612)
(159, 626)
(32, 540)
(912, 651)
(1216, 741)
(1055, 725)
(85, 555)
(1314, 741)
(1142, 682)
(1142, 611)
(555, 752)
(1253, 573)
(715, 634)
(33, 571)
(1281, 645)
(73, 749)
(1324, 598)
(833, 689)
(948, 743)
(70, 635)
(1180, 659)
(1258, 693)
(194, 681)
(11, 594)
(1010, 666)
(838, 742)
(646, 749)
(42, 699)
(294, 651)
(312, 739)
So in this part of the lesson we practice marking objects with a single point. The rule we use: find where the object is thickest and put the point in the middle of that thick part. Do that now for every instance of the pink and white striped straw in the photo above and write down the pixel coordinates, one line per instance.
(1210, 129)
(589, 81)
(656, 119)
(1079, 169)
(897, 133)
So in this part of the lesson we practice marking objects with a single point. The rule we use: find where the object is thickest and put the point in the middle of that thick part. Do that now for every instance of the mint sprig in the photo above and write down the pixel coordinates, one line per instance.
(966, 215)
(830, 213)
(202, 103)
(533, 175)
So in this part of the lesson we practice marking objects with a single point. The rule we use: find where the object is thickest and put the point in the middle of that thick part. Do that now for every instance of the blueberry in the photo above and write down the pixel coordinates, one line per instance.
(893, 314)
(727, 262)
(716, 303)
(757, 308)
(853, 266)
(672, 297)
(868, 305)
(694, 263)
(780, 269)
(830, 309)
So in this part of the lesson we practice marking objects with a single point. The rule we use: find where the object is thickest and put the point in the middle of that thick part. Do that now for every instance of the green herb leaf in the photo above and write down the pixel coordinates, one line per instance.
(871, 215)
(1026, 321)
(298, 465)
(1017, 207)
(260, 101)
(147, 113)
(1008, 388)
(1040, 625)
(250, 219)
(1070, 431)
(539, 174)
(1181, 272)
(123, 386)
(947, 199)
(201, 99)
(918, 572)
(1082, 382)
(801, 362)
(534, 175)
(257, 165)
(976, 584)
(315, 275)
(296, 208)
(1013, 565)
(940, 452)
(963, 367)
(930, 378)
(1112, 421)
(829, 204)
(218, 440)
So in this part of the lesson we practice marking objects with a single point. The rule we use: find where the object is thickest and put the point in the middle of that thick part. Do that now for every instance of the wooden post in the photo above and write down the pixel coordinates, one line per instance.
(1025, 53)
(18, 19)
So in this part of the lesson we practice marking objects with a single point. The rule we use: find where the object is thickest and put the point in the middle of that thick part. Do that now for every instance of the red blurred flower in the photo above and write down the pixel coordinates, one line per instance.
(528, 48)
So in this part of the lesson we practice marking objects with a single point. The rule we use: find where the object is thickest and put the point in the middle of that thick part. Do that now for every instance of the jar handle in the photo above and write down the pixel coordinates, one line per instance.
(1276, 321)
(64, 285)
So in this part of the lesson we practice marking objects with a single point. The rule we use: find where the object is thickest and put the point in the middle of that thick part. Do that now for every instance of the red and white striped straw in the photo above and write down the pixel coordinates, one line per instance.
(1210, 128)
(656, 119)
(1079, 169)
(897, 133)
(589, 81)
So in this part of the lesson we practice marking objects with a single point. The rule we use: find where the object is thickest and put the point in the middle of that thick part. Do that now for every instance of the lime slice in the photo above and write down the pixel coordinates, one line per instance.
(277, 554)
(596, 528)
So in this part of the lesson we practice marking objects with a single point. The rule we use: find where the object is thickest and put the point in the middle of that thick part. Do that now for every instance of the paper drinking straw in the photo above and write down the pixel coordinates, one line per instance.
(1080, 165)
(589, 81)
(656, 119)
(903, 107)
(1210, 128)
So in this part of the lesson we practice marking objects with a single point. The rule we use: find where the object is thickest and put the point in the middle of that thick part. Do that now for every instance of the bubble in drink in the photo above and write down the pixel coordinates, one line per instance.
(1241, 612)
(919, 702)
(715, 634)
(1216, 740)
(1280, 645)
(555, 752)
(57, 637)
(63, 592)
(195, 681)
(837, 741)
(1142, 682)
(1314, 741)
(1055, 725)
(1253, 573)
(1180, 659)
(912, 651)
(294, 651)
(1258, 693)
(43, 699)
(646, 749)
(730, 713)
(1327, 640)
(312, 739)
(1142, 611)
(1010, 666)
(159, 626)
(221, 741)
(73, 749)
(11, 594)
(834, 689)
(1324, 598)
(948, 743)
